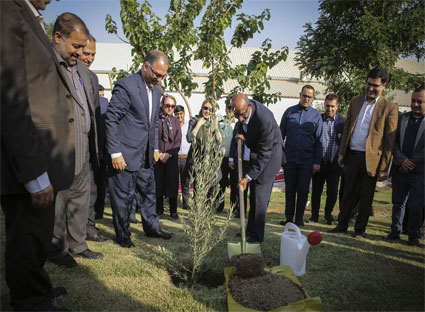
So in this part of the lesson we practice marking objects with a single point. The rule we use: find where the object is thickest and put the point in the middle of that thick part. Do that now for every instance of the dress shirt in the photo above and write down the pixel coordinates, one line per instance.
(37, 14)
(302, 131)
(361, 131)
(185, 145)
(43, 181)
(328, 137)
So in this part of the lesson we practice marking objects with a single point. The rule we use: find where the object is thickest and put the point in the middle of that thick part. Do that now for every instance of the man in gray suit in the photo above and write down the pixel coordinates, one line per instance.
(408, 170)
(37, 151)
(70, 35)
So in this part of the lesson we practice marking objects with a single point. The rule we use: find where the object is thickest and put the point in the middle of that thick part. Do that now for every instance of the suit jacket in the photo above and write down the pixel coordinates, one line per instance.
(263, 138)
(81, 145)
(37, 134)
(128, 127)
(338, 131)
(382, 132)
(100, 114)
(419, 149)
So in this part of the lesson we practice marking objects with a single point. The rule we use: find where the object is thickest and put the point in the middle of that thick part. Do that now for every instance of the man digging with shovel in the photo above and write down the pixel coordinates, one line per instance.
(262, 136)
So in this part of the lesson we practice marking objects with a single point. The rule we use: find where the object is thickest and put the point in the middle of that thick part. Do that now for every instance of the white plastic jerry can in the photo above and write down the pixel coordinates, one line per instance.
(293, 249)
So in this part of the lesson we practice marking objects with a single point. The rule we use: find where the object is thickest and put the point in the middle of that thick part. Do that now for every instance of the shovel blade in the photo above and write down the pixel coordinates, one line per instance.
(234, 249)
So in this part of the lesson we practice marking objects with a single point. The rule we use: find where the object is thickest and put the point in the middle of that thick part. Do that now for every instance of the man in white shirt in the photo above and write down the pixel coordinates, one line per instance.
(366, 148)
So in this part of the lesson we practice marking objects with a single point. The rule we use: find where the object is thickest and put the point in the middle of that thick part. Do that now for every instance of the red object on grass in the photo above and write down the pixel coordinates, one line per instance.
(314, 238)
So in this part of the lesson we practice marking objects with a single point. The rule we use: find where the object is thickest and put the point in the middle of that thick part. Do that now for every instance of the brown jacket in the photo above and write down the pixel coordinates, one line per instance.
(382, 132)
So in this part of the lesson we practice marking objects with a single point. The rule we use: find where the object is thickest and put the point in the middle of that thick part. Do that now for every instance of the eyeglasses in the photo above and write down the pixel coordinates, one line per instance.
(173, 106)
(158, 75)
(206, 108)
(374, 85)
(307, 96)
(417, 101)
(237, 115)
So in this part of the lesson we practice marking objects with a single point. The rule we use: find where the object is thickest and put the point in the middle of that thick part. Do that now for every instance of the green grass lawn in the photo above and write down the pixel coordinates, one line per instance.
(348, 274)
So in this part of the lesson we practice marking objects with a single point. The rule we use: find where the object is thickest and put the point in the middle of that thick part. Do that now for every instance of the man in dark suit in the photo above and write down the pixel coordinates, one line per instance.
(408, 170)
(330, 171)
(366, 146)
(262, 136)
(87, 58)
(132, 142)
(37, 151)
(70, 36)
(102, 180)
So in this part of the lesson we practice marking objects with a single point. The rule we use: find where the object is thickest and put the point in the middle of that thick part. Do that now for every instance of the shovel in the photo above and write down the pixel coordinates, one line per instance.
(242, 247)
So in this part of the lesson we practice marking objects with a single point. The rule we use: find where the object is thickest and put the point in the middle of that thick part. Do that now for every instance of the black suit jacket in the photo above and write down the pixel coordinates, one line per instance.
(338, 131)
(37, 134)
(263, 137)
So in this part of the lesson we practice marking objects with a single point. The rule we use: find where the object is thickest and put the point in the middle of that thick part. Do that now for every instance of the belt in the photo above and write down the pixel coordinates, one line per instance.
(183, 156)
(357, 152)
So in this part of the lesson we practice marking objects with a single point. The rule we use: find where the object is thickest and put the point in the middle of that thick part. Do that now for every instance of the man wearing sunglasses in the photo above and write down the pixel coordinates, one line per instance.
(132, 141)
(301, 127)
(365, 151)
(260, 131)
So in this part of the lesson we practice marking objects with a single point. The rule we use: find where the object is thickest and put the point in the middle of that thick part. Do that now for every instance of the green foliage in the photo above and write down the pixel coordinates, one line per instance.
(49, 30)
(183, 42)
(351, 37)
(201, 225)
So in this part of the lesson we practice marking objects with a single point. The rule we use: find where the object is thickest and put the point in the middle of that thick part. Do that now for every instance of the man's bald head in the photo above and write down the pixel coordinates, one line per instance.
(241, 106)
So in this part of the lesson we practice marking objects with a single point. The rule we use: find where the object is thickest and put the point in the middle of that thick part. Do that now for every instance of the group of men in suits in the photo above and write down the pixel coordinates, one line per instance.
(48, 139)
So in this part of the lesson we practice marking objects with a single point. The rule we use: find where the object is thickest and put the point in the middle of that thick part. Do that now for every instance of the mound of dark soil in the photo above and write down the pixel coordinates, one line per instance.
(265, 292)
(248, 265)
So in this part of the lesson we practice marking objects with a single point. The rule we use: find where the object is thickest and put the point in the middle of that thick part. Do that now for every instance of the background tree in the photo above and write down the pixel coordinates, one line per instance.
(351, 37)
(183, 43)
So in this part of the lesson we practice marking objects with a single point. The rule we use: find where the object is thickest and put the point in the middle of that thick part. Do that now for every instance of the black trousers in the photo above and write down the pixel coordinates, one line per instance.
(29, 234)
(125, 187)
(331, 176)
(359, 188)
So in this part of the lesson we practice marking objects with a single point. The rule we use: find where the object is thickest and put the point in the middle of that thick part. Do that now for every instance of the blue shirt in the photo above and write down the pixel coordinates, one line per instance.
(301, 129)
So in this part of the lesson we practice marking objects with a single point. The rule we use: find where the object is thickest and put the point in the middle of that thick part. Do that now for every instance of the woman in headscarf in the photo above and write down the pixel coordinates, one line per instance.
(166, 169)
(201, 127)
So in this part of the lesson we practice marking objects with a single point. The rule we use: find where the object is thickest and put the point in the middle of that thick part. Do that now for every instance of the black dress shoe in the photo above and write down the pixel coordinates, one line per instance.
(126, 243)
(311, 220)
(392, 236)
(58, 291)
(88, 254)
(413, 241)
(55, 308)
(330, 222)
(284, 222)
(359, 235)
(98, 216)
(159, 234)
(299, 223)
(174, 215)
(96, 238)
(67, 261)
(253, 240)
(337, 230)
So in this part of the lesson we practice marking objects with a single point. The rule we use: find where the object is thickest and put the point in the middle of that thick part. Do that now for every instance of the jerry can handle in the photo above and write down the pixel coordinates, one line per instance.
(293, 226)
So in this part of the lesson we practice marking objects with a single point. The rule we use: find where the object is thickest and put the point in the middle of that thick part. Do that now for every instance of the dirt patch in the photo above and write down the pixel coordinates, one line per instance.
(208, 279)
(265, 292)
(248, 265)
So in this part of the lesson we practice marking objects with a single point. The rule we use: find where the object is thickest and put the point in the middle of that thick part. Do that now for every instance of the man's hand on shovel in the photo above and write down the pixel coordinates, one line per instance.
(243, 183)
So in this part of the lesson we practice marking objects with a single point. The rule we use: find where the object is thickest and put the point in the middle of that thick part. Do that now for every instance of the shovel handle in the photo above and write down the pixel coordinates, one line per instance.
(241, 198)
